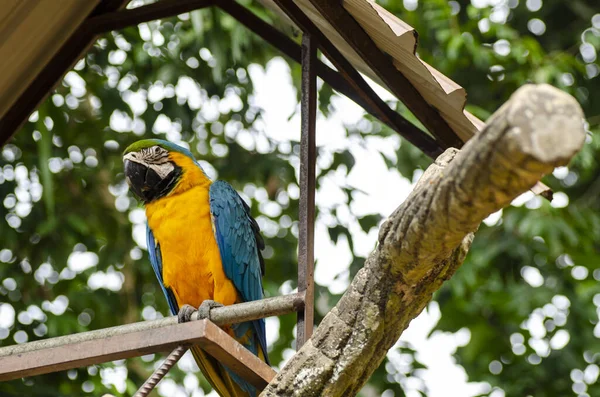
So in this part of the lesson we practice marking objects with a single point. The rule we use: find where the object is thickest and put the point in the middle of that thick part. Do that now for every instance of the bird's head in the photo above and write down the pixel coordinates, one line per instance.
(154, 168)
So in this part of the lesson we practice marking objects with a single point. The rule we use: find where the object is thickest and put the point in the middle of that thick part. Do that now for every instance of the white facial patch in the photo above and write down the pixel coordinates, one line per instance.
(162, 169)
(155, 158)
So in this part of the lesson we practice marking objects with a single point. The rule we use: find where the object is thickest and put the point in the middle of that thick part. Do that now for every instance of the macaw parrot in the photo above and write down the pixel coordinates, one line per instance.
(203, 245)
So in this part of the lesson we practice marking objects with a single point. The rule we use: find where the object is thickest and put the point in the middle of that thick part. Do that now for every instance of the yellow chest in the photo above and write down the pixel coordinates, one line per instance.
(191, 262)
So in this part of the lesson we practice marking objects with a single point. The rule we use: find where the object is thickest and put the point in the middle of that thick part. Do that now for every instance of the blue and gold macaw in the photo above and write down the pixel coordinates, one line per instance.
(203, 244)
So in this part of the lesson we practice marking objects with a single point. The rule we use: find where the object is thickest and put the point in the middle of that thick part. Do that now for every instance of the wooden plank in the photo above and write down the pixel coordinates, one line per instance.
(8, 9)
(345, 24)
(390, 33)
(384, 28)
(398, 39)
(353, 78)
(331, 33)
(29, 37)
(438, 90)
(337, 80)
(33, 93)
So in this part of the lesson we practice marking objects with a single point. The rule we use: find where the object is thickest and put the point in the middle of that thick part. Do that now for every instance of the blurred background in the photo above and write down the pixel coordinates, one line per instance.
(520, 318)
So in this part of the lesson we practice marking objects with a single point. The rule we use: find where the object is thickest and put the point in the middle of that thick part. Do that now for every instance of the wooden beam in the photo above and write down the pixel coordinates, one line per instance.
(31, 32)
(162, 9)
(40, 87)
(368, 100)
(358, 83)
(380, 63)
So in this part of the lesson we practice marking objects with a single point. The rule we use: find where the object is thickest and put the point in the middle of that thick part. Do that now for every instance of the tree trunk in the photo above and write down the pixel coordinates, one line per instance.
(427, 238)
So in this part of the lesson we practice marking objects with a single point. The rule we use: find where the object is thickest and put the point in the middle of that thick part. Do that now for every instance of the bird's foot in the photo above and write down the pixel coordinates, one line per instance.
(185, 313)
(206, 307)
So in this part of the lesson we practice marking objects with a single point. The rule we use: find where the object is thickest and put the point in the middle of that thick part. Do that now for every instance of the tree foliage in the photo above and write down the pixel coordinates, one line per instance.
(528, 292)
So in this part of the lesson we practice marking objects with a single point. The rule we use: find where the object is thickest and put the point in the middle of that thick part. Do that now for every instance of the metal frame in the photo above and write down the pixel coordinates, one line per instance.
(144, 339)
(131, 340)
(155, 336)
(308, 154)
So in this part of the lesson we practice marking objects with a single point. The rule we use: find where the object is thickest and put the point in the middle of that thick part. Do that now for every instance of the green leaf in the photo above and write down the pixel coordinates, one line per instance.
(368, 222)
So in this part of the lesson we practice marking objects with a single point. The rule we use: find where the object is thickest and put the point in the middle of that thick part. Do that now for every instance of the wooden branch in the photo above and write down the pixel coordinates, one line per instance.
(426, 239)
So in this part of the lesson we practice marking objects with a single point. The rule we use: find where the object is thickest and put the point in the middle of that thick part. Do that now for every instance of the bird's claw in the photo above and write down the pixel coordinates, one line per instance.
(185, 313)
(205, 308)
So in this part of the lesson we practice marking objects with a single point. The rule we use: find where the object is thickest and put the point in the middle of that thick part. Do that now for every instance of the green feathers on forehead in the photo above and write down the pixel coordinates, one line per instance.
(147, 143)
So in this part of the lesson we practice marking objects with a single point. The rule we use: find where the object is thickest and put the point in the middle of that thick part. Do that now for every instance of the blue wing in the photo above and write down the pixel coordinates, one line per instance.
(239, 242)
(156, 261)
(208, 364)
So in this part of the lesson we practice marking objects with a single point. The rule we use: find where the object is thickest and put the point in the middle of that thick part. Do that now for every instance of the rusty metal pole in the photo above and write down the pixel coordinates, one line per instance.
(161, 371)
(132, 340)
(308, 154)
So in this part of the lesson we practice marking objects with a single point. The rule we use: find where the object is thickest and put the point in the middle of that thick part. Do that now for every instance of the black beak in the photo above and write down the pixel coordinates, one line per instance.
(146, 184)
(136, 178)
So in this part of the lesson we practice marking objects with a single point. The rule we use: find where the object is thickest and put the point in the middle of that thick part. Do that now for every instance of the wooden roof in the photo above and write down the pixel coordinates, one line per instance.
(31, 33)
(399, 40)
(40, 40)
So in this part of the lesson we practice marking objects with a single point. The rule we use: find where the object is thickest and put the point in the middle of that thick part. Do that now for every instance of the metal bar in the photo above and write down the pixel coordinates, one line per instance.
(161, 371)
(236, 357)
(145, 341)
(351, 31)
(247, 311)
(232, 314)
(101, 349)
(338, 82)
(308, 154)
(358, 83)
(51, 74)
(161, 9)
